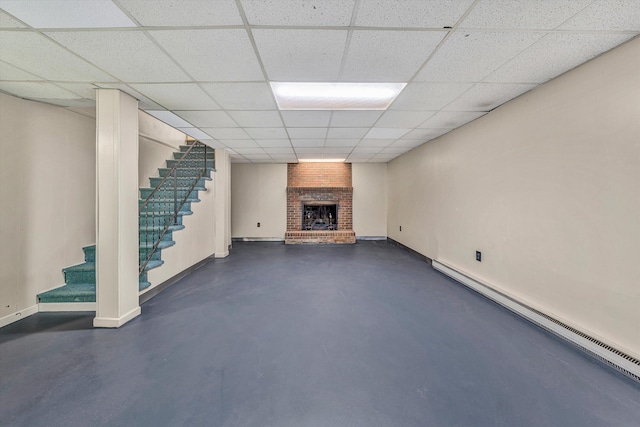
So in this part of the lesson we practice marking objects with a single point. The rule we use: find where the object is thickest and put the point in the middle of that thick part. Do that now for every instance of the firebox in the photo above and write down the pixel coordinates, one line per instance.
(319, 216)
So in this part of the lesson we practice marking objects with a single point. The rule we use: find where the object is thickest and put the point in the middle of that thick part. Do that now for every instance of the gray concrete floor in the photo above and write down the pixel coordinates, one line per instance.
(274, 335)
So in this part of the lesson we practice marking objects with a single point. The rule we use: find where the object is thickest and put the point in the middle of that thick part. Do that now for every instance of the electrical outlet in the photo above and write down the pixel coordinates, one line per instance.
(478, 256)
(258, 225)
(400, 228)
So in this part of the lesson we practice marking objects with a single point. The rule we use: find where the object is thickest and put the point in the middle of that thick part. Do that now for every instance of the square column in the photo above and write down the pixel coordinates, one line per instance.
(116, 208)
(222, 190)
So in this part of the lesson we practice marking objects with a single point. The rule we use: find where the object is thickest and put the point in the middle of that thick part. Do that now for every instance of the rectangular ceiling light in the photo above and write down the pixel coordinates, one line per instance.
(321, 160)
(335, 96)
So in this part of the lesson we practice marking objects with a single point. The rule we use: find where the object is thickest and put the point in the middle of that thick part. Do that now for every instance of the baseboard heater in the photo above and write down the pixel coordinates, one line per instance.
(620, 361)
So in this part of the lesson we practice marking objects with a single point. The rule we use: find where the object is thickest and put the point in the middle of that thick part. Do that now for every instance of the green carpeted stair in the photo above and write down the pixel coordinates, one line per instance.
(80, 280)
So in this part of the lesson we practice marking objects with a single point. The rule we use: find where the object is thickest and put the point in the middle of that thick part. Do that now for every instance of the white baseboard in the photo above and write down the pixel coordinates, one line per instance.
(626, 366)
(116, 322)
(52, 307)
(18, 315)
(222, 254)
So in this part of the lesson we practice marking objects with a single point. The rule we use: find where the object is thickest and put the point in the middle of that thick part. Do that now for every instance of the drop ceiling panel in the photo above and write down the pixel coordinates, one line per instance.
(522, 14)
(169, 118)
(376, 142)
(403, 119)
(195, 133)
(212, 55)
(227, 133)
(306, 118)
(37, 90)
(307, 143)
(350, 119)
(347, 132)
(450, 119)
(607, 15)
(9, 72)
(409, 144)
(171, 13)
(301, 55)
(245, 151)
(254, 119)
(367, 150)
(239, 143)
(341, 142)
(387, 56)
(39, 55)
(378, 133)
(569, 50)
(487, 96)
(298, 12)
(207, 118)
(267, 143)
(267, 133)
(83, 90)
(67, 13)
(129, 55)
(485, 50)
(279, 151)
(428, 96)
(411, 13)
(213, 143)
(337, 150)
(7, 21)
(307, 132)
(175, 96)
(425, 134)
(144, 102)
(242, 96)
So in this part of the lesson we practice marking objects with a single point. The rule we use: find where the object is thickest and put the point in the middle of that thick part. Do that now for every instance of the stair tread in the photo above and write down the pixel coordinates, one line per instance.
(85, 266)
(161, 227)
(165, 213)
(153, 264)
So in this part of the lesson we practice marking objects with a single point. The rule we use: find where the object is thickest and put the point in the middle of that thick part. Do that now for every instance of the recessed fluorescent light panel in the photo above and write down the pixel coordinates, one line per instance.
(321, 160)
(335, 96)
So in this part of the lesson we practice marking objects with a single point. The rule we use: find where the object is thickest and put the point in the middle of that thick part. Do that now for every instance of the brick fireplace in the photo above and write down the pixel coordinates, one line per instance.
(313, 189)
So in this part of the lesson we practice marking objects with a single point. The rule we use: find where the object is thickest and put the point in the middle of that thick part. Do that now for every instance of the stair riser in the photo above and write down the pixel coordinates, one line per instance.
(158, 221)
(190, 163)
(183, 183)
(193, 156)
(149, 237)
(89, 253)
(76, 277)
(144, 253)
(165, 193)
(185, 173)
(165, 207)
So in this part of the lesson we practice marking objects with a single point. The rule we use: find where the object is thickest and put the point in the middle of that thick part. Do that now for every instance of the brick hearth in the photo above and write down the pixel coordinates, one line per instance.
(319, 182)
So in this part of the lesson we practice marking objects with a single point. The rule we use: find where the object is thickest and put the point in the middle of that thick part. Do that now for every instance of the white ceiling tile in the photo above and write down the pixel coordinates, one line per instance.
(264, 156)
(242, 96)
(451, 119)
(428, 96)
(487, 96)
(67, 13)
(37, 90)
(226, 133)
(69, 103)
(403, 119)
(195, 133)
(171, 13)
(385, 133)
(568, 50)
(40, 56)
(485, 50)
(367, 150)
(408, 144)
(381, 159)
(301, 55)
(607, 15)
(213, 143)
(7, 21)
(9, 72)
(169, 118)
(354, 119)
(335, 13)
(175, 96)
(245, 151)
(306, 143)
(239, 143)
(254, 119)
(84, 90)
(341, 142)
(267, 133)
(268, 143)
(337, 150)
(307, 132)
(279, 151)
(207, 118)
(307, 151)
(411, 13)
(387, 56)
(284, 159)
(347, 132)
(129, 55)
(375, 142)
(425, 134)
(212, 55)
(393, 150)
(306, 118)
(523, 14)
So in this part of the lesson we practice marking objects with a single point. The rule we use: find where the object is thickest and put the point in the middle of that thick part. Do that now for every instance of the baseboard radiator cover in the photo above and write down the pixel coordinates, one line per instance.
(624, 363)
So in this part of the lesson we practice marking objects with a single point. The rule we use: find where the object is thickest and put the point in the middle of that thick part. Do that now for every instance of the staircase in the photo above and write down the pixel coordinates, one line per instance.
(162, 207)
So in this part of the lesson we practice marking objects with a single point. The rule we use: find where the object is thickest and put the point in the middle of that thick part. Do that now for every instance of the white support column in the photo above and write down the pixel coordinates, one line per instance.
(222, 189)
(116, 209)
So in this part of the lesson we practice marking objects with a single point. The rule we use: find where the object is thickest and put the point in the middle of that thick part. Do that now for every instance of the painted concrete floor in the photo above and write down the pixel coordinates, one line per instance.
(274, 335)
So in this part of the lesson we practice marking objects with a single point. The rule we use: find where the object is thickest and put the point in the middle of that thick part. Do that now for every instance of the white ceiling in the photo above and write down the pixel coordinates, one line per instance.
(204, 66)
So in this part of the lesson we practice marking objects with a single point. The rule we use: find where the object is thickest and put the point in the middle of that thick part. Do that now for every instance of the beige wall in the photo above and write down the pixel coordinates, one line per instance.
(258, 194)
(157, 143)
(47, 197)
(370, 199)
(548, 188)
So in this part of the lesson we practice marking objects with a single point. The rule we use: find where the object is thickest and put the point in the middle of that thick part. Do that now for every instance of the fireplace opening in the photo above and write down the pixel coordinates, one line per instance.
(319, 216)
